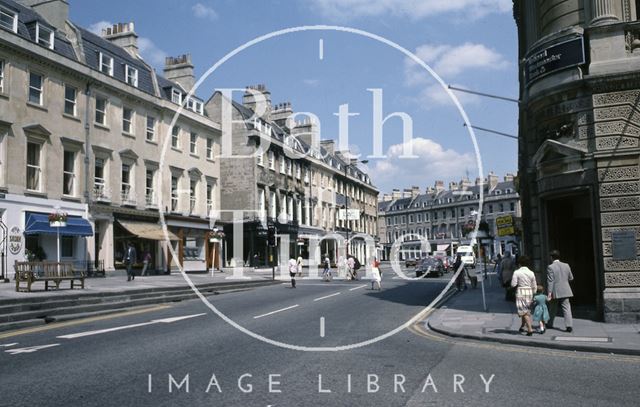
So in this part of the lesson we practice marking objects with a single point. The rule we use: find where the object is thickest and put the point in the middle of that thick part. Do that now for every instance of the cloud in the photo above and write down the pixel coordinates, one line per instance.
(203, 11)
(311, 82)
(433, 162)
(97, 28)
(413, 9)
(148, 50)
(151, 53)
(448, 62)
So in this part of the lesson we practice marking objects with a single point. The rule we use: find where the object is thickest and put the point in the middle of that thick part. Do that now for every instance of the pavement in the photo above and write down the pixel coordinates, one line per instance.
(116, 282)
(463, 316)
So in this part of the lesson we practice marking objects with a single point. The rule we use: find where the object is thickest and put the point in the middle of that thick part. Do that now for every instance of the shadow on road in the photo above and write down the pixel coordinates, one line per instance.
(413, 293)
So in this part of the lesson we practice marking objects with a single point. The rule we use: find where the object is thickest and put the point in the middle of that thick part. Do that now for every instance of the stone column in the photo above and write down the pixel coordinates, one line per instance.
(602, 12)
(531, 21)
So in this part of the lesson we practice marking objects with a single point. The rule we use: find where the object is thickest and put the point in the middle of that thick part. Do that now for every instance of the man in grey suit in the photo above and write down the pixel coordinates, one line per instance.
(559, 292)
(130, 258)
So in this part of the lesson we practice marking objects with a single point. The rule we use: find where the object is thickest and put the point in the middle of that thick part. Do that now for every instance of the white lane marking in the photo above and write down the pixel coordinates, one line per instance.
(358, 287)
(30, 349)
(327, 296)
(275, 312)
(8, 345)
(120, 328)
(322, 327)
(321, 50)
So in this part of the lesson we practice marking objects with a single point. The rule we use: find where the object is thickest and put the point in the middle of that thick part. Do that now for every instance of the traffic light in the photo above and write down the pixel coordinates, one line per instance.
(271, 236)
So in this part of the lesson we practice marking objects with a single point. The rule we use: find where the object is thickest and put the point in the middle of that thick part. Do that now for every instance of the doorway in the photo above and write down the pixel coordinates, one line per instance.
(570, 230)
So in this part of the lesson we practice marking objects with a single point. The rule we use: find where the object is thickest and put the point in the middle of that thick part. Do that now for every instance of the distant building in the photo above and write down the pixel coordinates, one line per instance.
(442, 216)
(579, 149)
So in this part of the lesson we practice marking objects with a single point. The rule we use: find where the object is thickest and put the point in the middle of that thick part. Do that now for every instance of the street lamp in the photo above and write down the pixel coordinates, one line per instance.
(346, 198)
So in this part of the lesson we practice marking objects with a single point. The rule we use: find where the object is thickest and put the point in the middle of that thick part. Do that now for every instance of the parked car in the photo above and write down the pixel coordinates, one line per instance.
(430, 267)
(411, 262)
(467, 255)
(442, 256)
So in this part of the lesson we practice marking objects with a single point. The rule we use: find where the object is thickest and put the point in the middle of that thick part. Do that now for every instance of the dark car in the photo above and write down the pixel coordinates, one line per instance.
(411, 262)
(430, 267)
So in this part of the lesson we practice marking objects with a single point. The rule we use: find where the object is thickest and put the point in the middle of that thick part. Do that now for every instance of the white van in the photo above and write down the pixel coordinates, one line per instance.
(467, 255)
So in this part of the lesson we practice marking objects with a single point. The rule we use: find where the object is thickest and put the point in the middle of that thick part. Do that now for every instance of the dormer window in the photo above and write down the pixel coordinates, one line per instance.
(132, 76)
(195, 105)
(176, 96)
(106, 64)
(498, 192)
(44, 36)
(8, 20)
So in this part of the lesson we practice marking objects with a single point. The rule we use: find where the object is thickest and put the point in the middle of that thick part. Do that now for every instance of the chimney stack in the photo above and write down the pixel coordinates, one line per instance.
(258, 99)
(396, 194)
(122, 35)
(56, 12)
(415, 191)
(180, 70)
(329, 145)
(439, 186)
(280, 113)
(453, 186)
(493, 181)
(508, 177)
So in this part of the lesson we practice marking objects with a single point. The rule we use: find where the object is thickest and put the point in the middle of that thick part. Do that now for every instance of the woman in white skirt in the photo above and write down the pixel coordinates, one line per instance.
(376, 278)
(525, 283)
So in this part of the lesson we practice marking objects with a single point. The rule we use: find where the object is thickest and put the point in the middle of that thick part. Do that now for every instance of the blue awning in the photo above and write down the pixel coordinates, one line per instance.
(38, 223)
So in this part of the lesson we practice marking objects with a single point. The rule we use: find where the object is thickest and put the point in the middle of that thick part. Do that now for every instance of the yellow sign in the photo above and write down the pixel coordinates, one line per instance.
(505, 225)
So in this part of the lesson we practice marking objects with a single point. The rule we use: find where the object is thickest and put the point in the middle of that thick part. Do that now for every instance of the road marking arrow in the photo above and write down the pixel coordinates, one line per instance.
(120, 328)
(8, 345)
(30, 349)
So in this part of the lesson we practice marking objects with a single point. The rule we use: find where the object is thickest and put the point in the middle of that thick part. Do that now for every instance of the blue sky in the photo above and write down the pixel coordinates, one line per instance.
(469, 43)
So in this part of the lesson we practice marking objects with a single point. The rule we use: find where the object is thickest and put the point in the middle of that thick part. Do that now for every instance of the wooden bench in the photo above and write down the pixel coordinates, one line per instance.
(32, 272)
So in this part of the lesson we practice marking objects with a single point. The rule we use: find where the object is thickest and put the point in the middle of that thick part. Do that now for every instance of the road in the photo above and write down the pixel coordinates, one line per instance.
(151, 357)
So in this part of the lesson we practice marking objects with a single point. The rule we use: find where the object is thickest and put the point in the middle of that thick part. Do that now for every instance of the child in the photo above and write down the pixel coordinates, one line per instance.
(541, 312)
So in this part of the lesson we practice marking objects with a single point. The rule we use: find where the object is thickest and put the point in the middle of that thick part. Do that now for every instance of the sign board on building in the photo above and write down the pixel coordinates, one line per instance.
(554, 58)
(352, 214)
(15, 240)
(623, 245)
(505, 225)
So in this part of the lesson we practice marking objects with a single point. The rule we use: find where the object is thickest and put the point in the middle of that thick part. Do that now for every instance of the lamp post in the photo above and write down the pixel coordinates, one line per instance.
(346, 200)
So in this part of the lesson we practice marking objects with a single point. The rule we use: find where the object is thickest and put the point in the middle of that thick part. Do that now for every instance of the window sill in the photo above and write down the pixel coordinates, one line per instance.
(128, 135)
(211, 160)
(177, 149)
(37, 194)
(71, 198)
(71, 117)
(194, 155)
(155, 143)
(4, 95)
(101, 126)
(37, 106)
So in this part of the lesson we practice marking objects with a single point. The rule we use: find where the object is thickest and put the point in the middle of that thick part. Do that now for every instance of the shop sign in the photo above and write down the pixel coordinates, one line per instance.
(554, 58)
(15, 240)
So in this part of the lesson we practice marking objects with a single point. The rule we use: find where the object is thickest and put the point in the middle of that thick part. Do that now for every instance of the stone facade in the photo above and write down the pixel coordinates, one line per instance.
(579, 152)
(83, 126)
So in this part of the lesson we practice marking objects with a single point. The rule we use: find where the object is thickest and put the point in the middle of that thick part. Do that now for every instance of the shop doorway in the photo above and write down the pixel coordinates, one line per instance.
(570, 230)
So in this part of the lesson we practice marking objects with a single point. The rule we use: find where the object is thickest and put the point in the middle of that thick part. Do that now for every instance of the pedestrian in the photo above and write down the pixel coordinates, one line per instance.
(376, 276)
(255, 260)
(460, 281)
(559, 291)
(351, 266)
(145, 261)
(326, 272)
(497, 269)
(524, 281)
(130, 260)
(299, 266)
(507, 266)
(293, 270)
(540, 312)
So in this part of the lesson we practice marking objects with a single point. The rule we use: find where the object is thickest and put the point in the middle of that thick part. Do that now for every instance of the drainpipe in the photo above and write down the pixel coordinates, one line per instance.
(87, 160)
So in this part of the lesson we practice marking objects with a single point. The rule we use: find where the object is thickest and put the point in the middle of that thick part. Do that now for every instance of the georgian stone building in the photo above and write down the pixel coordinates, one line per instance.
(440, 215)
(579, 151)
(83, 120)
(276, 178)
